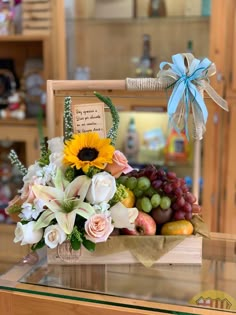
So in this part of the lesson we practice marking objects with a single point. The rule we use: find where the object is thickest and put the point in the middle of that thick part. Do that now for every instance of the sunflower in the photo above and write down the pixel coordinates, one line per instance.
(88, 149)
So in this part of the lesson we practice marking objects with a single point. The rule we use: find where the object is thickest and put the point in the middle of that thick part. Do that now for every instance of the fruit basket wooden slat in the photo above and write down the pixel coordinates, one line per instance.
(187, 251)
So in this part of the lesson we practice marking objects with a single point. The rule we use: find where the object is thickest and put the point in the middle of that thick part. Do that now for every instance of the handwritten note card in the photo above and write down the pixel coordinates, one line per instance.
(89, 117)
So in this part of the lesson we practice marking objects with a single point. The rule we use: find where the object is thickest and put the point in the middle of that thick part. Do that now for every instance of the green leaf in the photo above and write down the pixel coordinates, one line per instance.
(89, 245)
(24, 222)
(75, 243)
(38, 245)
(112, 134)
(69, 174)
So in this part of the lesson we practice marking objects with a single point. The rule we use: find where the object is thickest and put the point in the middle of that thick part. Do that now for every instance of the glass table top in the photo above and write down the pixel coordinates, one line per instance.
(210, 285)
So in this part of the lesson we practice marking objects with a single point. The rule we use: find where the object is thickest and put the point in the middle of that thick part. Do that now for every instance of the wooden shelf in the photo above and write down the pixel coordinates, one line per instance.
(25, 131)
(23, 38)
(17, 122)
(187, 19)
(94, 39)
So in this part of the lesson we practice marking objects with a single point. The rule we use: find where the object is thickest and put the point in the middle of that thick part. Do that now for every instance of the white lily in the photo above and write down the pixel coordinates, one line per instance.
(123, 217)
(64, 201)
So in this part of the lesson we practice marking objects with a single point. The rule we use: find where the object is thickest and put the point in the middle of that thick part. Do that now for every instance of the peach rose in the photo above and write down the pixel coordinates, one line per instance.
(14, 215)
(16, 201)
(98, 227)
(27, 193)
(119, 165)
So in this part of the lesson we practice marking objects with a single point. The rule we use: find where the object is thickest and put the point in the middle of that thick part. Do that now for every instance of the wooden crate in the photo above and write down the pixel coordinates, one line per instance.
(37, 16)
(186, 250)
(147, 96)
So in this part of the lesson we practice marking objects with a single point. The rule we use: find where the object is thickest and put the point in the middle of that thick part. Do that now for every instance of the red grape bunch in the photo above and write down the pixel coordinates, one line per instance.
(157, 190)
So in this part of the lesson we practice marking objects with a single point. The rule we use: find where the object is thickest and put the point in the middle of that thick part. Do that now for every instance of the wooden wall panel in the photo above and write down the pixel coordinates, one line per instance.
(229, 212)
(212, 166)
(224, 155)
(221, 39)
(58, 41)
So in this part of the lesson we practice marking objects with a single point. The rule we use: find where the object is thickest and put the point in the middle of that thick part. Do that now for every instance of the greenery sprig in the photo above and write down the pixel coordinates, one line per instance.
(93, 171)
(68, 119)
(77, 238)
(120, 194)
(38, 245)
(15, 161)
(44, 153)
(69, 174)
(112, 133)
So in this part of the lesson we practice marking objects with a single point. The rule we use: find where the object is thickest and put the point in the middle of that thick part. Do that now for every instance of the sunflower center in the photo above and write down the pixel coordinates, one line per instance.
(87, 154)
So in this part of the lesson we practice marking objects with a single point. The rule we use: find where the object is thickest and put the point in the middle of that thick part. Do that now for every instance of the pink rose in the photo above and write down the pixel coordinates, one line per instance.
(119, 165)
(98, 227)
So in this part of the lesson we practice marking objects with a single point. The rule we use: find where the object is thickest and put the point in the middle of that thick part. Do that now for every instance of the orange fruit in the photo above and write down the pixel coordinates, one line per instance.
(180, 227)
(129, 201)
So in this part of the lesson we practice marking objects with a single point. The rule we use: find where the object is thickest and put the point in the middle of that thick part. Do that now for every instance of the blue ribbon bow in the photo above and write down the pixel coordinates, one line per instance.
(188, 76)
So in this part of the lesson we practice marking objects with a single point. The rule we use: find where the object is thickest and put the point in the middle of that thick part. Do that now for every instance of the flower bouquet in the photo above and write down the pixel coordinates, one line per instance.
(81, 191)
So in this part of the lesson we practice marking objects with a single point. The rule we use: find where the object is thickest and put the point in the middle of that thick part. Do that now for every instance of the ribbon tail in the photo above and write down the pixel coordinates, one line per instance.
(175, 97)
(199, 100)
(211, 70)
(186, 114)
(199, 126)
(215, 96)
(176, 120)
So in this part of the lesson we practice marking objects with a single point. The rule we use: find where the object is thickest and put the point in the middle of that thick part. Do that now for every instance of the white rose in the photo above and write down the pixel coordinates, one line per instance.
(54, 235)
(102, 188)
(26, 234)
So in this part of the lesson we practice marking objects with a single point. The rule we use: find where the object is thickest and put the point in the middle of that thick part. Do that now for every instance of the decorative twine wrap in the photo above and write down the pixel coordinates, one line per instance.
(189, 78)
(144, 84)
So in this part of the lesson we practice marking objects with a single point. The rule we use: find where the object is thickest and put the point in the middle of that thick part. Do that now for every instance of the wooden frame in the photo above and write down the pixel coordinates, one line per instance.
(151, 101)
(146, 95)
